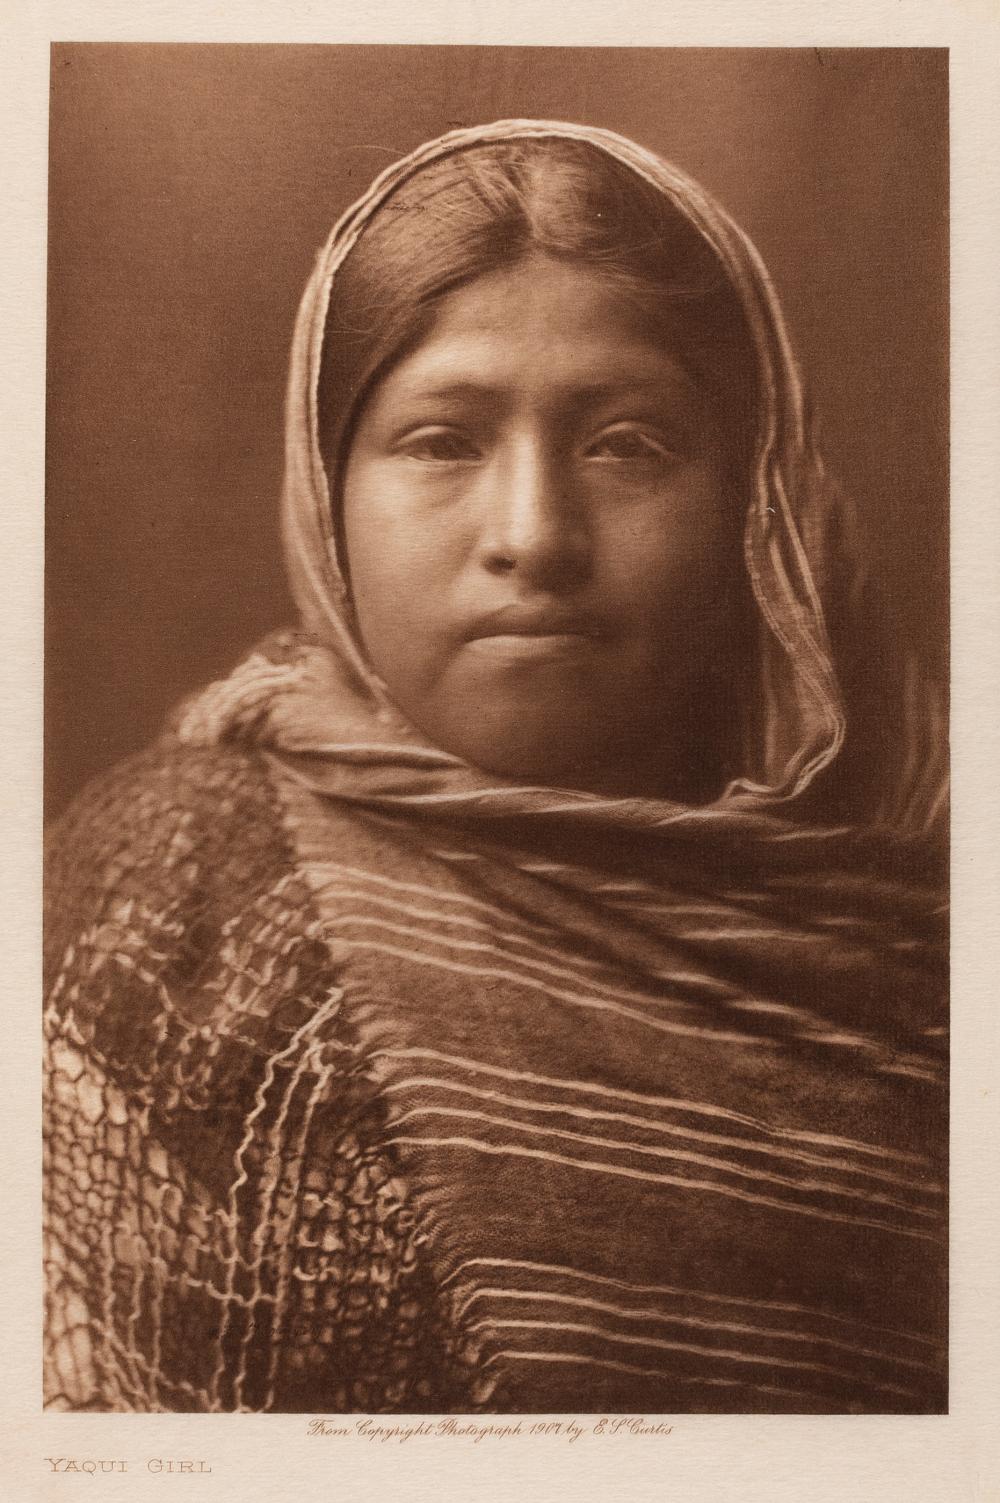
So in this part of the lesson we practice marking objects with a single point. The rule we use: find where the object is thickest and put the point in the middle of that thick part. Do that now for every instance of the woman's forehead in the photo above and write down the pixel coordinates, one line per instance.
(541, 326)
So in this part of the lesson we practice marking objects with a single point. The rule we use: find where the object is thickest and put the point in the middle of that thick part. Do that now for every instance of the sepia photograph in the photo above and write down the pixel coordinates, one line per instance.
(496, 730)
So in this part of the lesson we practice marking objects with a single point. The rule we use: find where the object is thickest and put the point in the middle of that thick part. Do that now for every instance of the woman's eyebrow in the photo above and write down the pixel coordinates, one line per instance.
(675, 383)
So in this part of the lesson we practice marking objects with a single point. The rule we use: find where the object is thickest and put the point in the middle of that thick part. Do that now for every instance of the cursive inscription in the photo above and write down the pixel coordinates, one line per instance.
(569, 1429)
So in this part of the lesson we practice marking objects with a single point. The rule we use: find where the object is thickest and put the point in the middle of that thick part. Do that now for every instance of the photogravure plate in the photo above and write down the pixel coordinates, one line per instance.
(250, 1457)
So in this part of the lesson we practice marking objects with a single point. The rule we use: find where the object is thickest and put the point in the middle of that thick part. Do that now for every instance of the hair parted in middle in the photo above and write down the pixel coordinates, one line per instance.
(491, 206)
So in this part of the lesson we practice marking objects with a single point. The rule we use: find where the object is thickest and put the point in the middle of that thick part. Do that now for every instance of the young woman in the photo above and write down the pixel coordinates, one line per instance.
(505, 993)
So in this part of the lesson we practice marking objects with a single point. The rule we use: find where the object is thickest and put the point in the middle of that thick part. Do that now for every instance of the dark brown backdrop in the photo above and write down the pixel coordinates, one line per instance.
(189, 189)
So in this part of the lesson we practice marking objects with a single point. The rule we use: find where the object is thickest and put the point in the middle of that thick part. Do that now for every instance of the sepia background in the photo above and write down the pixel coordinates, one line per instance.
(189, 189)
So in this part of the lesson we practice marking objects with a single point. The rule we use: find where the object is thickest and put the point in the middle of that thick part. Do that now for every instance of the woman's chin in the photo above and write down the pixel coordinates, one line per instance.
(523, 753)
(634, 761)
(552, 760)
(573, 736)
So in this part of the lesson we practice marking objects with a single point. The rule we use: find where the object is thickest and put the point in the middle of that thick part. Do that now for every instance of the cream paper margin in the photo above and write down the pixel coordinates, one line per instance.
(938, 1459)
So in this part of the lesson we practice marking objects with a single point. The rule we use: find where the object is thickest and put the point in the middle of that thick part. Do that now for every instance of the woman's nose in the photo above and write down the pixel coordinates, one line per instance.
(534, 526)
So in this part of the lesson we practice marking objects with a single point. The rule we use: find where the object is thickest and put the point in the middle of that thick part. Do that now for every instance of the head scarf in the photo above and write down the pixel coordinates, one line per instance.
(803, 723)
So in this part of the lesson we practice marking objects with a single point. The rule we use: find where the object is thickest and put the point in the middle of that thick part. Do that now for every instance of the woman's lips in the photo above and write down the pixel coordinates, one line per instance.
(519, 619)
(521, 632)
(532, 646)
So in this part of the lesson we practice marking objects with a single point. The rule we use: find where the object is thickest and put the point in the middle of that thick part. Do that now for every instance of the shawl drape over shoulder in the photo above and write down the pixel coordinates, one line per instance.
(380, 1083)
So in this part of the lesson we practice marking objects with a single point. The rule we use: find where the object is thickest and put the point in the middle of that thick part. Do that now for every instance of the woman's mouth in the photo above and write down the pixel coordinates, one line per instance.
(523, 632)
(522, 620)
(533, 645)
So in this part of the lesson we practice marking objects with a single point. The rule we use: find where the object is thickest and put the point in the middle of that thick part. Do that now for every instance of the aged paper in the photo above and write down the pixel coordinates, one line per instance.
(251, 1457)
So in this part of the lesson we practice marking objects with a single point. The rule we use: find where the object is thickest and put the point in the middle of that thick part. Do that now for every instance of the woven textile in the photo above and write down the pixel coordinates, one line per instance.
(379, 1083)
(367, 1128)
(222, 1232)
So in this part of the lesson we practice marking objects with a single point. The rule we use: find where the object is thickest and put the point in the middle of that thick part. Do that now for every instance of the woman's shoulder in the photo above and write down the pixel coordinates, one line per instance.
(138, 809)
(174, 827)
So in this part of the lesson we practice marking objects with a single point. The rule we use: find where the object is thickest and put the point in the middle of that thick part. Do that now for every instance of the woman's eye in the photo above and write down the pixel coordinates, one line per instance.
(630, 443)
(439, 446)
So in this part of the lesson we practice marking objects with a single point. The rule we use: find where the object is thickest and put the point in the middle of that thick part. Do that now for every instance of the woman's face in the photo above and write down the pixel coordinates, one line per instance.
(540, 543)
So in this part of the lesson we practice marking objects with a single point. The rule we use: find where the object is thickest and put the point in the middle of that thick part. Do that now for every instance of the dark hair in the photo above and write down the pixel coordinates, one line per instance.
(489, 206)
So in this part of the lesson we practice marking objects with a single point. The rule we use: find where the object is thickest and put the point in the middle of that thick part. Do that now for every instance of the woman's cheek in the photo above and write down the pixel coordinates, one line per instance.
(398, 613)
(661, 568)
